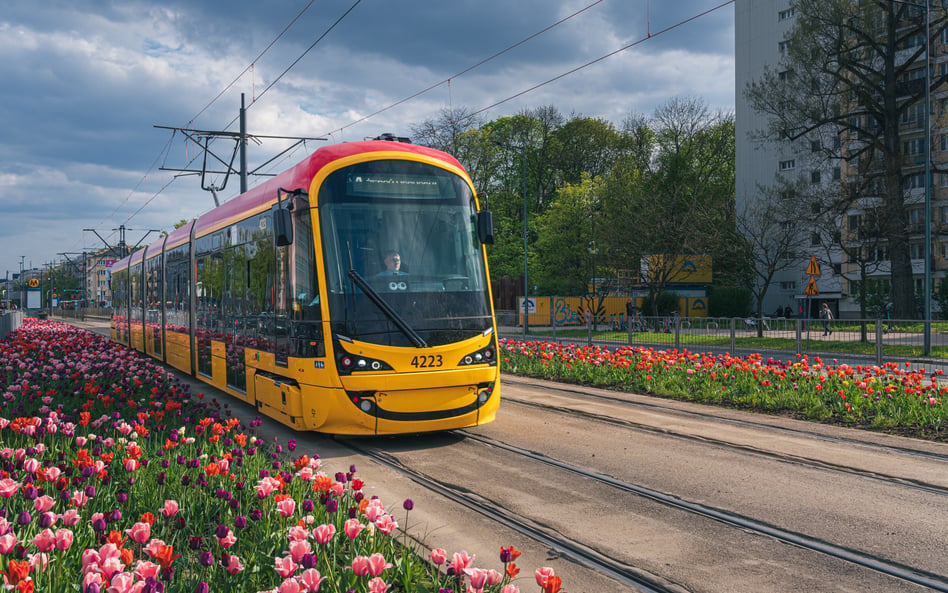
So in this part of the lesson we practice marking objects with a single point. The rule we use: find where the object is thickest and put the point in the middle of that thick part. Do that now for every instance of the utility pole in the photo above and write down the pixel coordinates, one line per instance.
(203, 137)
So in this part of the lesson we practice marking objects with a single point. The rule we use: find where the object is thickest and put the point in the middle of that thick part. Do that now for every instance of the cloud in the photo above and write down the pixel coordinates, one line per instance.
(86, 81)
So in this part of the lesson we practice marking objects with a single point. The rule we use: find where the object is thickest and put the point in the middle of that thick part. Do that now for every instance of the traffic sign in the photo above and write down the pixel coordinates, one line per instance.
(811, 289)
(814, 268)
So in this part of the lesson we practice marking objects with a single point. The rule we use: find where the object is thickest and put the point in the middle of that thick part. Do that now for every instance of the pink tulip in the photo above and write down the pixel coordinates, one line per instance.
(228, 540)
(234, 565)
(145, 569)
(324, 533)
(63, 539)
(8, 487)
(38, 561)
(140, 532)
(79, 499)
(374, 510)
(461, 561)
(297, 532)
(542, 574)
(170, 508)
(122, 582)
(7, 543)
(353, 528)
(377, 564)
(153, 547)
(377, 585)
(478, 577)
(285, 566)
(45, 540)
(130, 465)
(70, 517)
(310, 579)
(289, 586)
(286, 507)
(510, 589)
(31, 465)
(360, 566)
(52, 473)
(299, 548)
(43, 503)
(386, 524)
(439, 556)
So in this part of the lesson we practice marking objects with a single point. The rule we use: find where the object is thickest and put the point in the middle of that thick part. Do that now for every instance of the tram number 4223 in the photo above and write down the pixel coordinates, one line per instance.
(426, 362)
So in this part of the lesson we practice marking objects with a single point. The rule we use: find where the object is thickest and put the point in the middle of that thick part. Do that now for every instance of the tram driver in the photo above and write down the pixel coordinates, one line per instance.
(393, 264)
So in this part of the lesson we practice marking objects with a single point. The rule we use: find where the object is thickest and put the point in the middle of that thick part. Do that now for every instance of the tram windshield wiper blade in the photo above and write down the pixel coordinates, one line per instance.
(376, 298)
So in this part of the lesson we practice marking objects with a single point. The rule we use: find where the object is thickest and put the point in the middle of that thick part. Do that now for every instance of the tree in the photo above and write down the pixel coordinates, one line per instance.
(680, 202)
(563, 232)
(851, 69)
(775, 236)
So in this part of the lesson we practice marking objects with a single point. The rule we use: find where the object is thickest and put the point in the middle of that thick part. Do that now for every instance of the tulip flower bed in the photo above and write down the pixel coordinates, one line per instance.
(114, 478)
(887, 397)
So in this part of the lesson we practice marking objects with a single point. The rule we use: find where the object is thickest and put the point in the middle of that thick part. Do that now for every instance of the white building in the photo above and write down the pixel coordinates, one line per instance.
(760, 28)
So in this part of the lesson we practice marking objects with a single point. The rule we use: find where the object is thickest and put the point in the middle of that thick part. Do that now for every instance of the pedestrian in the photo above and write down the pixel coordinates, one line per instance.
(826, 315)
(629, 311)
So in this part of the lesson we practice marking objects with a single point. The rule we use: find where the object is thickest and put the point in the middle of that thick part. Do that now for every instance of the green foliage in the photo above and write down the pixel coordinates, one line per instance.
(563, 261)
(666, 301)
(597, 197)
(730, 302)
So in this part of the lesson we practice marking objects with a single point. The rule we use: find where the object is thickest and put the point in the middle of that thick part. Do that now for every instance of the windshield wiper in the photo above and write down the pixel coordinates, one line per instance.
(376, 298)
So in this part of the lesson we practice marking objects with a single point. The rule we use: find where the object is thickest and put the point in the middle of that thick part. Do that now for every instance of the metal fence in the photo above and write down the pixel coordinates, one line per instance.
(874, 341)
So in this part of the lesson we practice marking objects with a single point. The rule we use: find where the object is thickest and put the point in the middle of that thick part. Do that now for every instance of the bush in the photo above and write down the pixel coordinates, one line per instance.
(730, 302)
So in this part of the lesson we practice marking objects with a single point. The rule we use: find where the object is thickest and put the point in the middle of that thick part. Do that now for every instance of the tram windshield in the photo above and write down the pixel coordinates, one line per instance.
(402, 254)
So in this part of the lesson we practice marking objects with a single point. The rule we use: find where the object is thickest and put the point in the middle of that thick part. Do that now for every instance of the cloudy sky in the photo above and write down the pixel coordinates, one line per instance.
(85, 82)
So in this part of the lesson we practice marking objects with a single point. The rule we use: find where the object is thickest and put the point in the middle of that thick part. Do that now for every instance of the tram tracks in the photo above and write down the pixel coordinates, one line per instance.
(588, 555)
(571, 548)
(626, 569)
(801, 460)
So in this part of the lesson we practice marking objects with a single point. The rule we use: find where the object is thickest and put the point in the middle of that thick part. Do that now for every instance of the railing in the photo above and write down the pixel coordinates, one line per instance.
(873, 341)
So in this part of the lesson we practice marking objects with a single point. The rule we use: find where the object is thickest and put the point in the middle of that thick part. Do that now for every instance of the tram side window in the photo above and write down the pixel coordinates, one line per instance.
(209, 284)
(119, 293)
(152, 289)
(177, 295)
(260, 268)
(305, 285)
(135, 292)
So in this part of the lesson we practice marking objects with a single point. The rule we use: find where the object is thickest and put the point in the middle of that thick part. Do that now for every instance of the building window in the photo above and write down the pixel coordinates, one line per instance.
(815, 239)
(914, 115)
(837, 173)
(788, 165)
(814, 177)
(914, 181)
(854, 220)
(788, 286)
(783, 75)
(816, 145)
(782, 46)
(785, 14)
(917, 251)
(916, 146)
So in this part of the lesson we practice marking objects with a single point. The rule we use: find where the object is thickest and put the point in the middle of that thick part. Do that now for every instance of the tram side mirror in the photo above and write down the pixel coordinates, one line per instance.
(282, 227)
(485, 227)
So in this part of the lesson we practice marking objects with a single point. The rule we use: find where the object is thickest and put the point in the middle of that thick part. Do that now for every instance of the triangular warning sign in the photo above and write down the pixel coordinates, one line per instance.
(814, 268)
(811, 289)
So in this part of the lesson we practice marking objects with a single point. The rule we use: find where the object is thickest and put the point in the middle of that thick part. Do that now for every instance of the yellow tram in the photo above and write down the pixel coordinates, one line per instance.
(285, 297)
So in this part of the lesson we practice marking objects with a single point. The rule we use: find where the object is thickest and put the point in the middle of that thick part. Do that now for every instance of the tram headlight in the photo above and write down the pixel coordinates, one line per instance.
(483, 356)
(351, 363)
